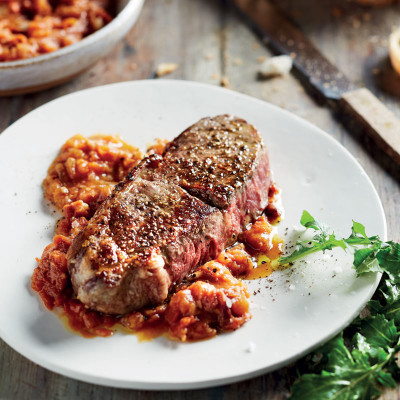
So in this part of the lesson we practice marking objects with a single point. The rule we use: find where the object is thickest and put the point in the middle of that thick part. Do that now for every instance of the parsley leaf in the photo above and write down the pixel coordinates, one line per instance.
(370, 253)
(389, 259)
(347, 376)
(359, 364)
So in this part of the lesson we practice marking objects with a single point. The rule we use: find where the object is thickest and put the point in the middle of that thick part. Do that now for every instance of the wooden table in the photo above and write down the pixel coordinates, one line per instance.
(210, 42)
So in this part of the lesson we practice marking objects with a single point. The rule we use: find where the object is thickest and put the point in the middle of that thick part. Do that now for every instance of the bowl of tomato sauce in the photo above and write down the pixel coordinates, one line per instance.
(44, 43)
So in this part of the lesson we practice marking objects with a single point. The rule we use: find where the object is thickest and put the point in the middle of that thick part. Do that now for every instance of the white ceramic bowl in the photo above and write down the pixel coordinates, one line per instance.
(42, 72)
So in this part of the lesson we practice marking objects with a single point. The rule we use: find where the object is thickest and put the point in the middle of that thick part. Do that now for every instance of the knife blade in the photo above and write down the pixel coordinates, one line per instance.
(324, 79)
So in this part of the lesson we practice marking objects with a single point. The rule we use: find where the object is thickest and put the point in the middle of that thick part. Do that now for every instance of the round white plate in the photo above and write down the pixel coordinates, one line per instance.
(293, 311)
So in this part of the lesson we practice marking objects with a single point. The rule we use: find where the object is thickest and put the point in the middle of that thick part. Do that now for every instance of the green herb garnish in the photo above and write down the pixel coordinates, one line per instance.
(365, 248)
(359, 362)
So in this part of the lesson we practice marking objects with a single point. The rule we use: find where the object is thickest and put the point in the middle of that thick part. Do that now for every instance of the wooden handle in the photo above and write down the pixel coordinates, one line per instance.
(377, 121)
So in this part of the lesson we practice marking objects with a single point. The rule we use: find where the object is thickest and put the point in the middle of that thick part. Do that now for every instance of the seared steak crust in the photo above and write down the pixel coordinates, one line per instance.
(224, 162)
(214, 158)
(171, 214)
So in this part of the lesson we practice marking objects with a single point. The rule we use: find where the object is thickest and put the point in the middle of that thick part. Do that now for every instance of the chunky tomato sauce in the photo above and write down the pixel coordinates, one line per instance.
(88, 170)
(213, 299)
(29, 28)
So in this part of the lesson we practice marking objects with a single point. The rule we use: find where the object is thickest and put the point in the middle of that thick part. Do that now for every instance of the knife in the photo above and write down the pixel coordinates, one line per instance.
(321, 77)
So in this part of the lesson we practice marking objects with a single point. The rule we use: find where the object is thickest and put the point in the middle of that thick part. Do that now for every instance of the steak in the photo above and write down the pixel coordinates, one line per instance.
(171, 213)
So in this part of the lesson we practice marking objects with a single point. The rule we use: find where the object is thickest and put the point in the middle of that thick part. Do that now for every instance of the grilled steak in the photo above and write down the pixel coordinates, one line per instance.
(171, 214)
(143, 238)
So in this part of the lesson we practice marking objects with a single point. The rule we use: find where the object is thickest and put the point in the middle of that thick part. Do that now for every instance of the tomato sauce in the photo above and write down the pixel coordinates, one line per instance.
(211, 300)
(87, 169)
(29, 28)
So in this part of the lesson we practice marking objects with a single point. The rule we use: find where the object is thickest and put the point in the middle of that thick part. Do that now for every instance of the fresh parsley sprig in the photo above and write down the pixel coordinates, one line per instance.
(358, 363)
(365, 248)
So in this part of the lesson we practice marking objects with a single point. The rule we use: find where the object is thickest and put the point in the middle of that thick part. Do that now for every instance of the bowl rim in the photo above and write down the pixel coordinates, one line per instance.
(122, 17)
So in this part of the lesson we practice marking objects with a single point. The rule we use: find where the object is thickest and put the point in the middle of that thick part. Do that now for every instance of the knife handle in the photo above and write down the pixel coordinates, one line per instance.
(375, 118)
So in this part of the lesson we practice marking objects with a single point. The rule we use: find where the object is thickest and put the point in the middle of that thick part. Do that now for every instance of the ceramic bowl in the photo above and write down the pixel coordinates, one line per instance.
(42, 72)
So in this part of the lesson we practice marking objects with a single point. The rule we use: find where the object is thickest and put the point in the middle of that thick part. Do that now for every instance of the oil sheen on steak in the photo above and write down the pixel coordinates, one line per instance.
(171, 214)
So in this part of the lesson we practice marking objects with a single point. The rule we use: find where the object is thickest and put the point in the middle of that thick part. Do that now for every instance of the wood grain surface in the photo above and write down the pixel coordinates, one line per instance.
(211, 43)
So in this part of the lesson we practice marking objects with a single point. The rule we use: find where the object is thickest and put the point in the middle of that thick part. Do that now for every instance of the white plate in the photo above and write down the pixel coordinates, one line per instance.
(292, 314)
